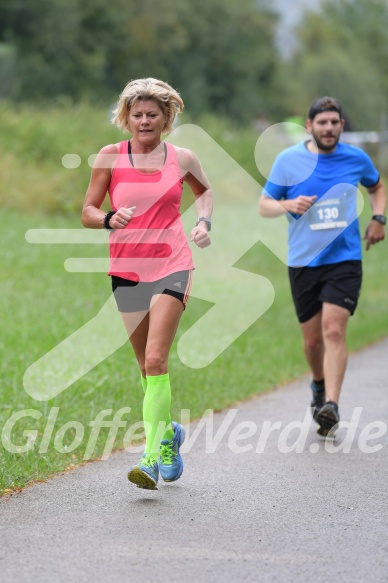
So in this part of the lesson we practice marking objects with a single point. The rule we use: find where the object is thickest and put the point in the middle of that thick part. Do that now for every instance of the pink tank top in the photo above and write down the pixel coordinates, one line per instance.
(153, 244)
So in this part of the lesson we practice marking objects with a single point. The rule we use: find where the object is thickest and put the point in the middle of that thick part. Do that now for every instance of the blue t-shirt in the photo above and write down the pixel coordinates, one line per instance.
(329, 232)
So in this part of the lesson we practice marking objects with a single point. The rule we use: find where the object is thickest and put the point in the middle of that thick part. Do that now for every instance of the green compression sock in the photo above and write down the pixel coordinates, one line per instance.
(143, 383)
(156, 412)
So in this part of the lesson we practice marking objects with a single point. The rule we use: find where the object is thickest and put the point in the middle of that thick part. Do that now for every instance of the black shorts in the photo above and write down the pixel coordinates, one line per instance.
(337, 283)
(135, 296)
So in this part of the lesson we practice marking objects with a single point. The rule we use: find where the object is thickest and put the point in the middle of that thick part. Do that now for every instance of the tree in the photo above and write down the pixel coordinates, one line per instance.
(219, 54)
(343, 51)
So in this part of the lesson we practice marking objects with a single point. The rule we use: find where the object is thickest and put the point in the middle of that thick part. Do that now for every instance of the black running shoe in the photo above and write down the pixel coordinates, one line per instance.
(328, 415)
(318, 400)
(326, 432)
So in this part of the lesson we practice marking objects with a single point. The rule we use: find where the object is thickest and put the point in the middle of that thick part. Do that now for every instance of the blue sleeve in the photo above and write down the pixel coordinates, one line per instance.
(370, 175)
(275, 186)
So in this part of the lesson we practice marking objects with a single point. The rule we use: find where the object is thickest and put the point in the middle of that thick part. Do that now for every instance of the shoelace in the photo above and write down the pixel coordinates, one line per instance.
(167, 453)
(147, 461)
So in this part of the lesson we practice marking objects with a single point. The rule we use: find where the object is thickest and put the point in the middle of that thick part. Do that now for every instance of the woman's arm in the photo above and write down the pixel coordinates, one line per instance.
(92, 215)
(195, 177)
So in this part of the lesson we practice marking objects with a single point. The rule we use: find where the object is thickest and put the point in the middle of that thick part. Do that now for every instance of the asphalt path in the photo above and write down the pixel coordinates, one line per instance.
(262, 498)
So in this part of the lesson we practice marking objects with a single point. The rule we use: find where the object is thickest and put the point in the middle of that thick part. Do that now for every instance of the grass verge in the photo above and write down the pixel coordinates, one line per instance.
(42, 304)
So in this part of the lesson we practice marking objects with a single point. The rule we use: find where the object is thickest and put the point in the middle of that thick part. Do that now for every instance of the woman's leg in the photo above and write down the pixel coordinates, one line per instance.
(136, 324)
(151, 335)
(164, 317)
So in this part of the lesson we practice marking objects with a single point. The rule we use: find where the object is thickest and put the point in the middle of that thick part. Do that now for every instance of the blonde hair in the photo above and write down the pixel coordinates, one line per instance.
(169, 101)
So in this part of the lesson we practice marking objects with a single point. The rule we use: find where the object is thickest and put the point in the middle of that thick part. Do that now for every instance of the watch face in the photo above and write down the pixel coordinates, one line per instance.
(207, 221)
(380, 218)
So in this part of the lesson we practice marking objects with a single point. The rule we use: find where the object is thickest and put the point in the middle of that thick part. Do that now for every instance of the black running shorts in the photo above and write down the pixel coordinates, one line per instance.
(337, 283)
(134, 296)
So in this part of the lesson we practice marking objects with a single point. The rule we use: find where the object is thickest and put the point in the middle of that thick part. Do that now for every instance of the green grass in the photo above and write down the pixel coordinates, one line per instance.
(42, 303)
(33, 143)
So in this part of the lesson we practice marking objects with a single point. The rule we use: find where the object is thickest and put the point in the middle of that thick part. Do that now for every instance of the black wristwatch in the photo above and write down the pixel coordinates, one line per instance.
(380, 219)
(205, 220)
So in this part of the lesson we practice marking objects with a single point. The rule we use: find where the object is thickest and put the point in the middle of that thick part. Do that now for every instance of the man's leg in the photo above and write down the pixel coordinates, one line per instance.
(334, 326)
(314, 351)
(313, 345)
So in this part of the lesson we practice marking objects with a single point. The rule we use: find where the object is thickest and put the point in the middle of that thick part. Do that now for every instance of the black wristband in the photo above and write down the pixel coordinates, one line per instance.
(382, 219)
(107, 218)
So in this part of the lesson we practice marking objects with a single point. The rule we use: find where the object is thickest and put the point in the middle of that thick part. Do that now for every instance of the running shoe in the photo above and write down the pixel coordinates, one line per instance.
(145, 474)
(318, 399)
(327, 432)
(328, 415)
(170, 461)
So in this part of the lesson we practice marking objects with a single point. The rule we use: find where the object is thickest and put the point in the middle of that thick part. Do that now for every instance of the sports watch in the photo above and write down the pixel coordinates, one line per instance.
(380, 219)
(205, 220)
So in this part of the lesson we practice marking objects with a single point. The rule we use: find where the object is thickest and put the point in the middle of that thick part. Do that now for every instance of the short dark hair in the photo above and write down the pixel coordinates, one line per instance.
(324, 104)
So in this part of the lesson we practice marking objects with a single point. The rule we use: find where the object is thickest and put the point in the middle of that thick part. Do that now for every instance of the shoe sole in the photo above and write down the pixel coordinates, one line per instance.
(326, 418)
(326, 432)
(141, 479)
(182, 438)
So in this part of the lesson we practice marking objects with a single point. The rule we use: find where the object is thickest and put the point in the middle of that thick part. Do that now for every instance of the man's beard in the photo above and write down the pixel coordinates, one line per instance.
(324, 147)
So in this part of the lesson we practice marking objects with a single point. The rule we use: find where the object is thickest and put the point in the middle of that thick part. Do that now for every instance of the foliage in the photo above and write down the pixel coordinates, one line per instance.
(343, 51)
(34, 140)
(219, 54)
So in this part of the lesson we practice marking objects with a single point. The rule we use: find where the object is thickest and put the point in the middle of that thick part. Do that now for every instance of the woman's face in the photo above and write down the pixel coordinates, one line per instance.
(146, 122)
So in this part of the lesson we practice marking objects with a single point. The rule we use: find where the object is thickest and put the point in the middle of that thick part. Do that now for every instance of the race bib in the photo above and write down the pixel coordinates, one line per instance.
(328, 214)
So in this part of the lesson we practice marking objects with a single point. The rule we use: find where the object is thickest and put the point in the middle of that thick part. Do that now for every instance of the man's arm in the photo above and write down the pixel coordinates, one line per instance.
(270, 207)
(375, 231)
